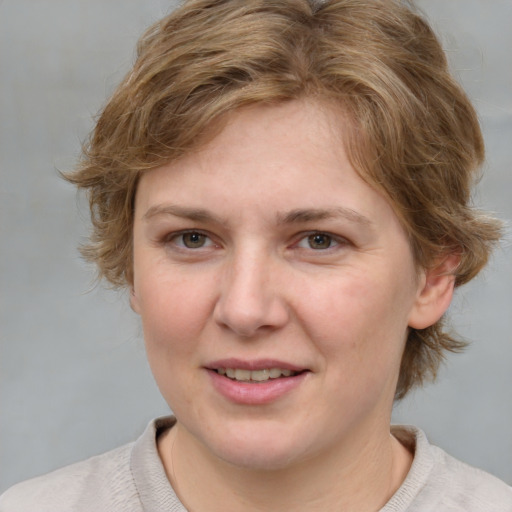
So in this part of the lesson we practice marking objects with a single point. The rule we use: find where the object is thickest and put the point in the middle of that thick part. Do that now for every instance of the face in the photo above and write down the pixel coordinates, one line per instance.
(275, 289)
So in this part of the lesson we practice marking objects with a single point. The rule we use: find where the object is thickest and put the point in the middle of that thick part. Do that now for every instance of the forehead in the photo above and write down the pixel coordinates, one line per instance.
(275, 161)
(293, 139)
(312, 128)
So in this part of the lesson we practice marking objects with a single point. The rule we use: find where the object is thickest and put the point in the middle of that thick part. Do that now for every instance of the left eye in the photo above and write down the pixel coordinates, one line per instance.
(318, 241)
(192, 240)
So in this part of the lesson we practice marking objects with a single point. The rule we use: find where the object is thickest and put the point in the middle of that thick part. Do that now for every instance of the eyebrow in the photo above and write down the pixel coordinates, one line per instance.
(195, 214)
(316, 214)
(298, 216)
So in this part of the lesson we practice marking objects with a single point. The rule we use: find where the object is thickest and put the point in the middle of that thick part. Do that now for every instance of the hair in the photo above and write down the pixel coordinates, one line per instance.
(413, 136)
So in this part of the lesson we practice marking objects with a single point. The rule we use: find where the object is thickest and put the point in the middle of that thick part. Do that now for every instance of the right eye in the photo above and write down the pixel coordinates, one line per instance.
(191, 240)
(318, 242)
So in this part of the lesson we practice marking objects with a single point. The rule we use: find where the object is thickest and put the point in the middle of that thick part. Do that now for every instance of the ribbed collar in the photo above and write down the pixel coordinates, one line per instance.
(423, 463)
(156, 493)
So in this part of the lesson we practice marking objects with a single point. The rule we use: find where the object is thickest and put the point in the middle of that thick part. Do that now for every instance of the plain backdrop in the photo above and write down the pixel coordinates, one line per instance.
(73, 376)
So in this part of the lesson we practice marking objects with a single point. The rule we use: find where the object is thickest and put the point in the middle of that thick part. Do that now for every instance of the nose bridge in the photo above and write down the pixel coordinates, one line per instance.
(250, 300)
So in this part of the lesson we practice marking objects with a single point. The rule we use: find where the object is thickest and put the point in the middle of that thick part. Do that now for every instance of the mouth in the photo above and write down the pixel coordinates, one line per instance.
(257, 381)
(256, 376)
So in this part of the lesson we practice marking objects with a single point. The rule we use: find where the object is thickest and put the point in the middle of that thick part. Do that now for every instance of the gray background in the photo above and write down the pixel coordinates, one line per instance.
(73, 376)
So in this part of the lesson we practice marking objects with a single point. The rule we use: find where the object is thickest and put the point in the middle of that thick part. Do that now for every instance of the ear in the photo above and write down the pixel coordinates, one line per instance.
(435, 292)
(134, 301)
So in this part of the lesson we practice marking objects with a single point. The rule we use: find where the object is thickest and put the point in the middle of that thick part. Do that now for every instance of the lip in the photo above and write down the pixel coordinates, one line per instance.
(257, 364)
(257, 393)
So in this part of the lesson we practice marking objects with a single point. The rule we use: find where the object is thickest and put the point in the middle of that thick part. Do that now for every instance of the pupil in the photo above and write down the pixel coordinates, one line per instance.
(193, 240)
(319, 241)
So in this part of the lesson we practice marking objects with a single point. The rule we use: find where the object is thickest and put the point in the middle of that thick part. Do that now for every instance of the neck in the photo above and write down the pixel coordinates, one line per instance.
(362, 474)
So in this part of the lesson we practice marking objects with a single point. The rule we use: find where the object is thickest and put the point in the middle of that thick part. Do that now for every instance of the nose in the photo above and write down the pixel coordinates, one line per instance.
(251, 301)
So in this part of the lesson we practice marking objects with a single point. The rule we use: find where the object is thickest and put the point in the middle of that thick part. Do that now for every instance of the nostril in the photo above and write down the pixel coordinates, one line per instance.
(249, 301)
(242, 313)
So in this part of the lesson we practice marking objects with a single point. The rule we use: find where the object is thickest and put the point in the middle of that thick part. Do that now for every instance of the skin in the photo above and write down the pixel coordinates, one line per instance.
(287, 255)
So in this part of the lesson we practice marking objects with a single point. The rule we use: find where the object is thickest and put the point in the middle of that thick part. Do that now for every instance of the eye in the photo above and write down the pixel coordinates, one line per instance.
(318, 242)
(192, 240)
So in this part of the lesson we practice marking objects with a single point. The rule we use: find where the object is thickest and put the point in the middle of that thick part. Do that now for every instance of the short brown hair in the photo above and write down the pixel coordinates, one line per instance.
(413, 134)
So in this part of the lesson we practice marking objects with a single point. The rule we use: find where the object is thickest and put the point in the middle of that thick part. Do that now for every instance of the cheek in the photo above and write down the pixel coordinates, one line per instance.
(173, 309)
(360, 322)
(360, 333)
(173, 313)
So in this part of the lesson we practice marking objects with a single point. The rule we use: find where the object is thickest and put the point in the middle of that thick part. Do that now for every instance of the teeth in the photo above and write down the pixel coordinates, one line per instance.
(255, 375)
(242, 374)
(260, 375)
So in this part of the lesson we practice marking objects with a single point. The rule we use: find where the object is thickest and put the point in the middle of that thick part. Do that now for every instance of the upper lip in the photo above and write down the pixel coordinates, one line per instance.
(254, 365)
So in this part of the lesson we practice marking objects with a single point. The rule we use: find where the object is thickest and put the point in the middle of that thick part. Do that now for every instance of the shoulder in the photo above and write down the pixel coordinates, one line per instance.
(81, 486)
(469, 487)
(438, 481)
(117, 481)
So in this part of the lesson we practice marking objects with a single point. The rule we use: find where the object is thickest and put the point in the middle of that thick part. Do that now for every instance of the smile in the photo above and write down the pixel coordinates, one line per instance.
(263, 375)
(256, 382)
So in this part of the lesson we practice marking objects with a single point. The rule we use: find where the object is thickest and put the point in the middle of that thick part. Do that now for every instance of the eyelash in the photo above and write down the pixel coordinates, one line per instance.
(334, 241)
(173, 237)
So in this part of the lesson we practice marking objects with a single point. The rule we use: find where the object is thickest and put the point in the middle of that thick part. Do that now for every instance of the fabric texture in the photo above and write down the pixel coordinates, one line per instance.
(132, 479)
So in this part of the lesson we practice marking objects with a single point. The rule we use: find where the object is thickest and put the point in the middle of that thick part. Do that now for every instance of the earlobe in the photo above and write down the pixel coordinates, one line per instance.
(134, 301)
(435, 293)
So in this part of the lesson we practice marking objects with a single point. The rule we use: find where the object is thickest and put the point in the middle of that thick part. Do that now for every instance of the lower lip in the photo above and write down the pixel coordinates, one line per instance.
(255, 393)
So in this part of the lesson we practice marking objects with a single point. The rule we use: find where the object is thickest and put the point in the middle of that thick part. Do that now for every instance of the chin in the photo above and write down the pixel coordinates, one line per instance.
(257, 448)
(258, 459)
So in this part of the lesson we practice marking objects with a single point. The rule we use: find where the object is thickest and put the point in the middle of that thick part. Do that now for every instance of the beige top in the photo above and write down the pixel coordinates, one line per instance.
(132, 479)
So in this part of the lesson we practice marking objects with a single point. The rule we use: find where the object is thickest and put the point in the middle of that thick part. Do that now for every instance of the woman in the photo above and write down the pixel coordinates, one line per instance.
(284, 188)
